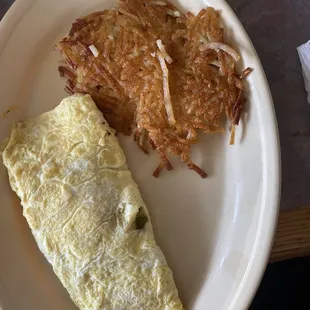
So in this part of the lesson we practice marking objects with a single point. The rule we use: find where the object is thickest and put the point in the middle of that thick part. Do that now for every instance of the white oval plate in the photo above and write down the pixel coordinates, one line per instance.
(216, 233)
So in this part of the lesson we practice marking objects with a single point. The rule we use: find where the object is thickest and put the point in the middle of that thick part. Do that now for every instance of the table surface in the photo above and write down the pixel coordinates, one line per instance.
(276, 28)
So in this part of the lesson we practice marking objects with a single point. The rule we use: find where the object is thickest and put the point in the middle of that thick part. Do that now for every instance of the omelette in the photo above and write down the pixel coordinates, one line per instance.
(85, 210)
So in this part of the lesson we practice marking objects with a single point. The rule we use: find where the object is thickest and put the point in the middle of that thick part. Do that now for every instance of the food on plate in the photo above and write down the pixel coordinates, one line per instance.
(85, 211)
(157, 72)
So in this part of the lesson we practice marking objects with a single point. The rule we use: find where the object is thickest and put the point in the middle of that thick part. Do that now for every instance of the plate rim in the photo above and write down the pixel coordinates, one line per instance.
(258, 261)
(255, 272)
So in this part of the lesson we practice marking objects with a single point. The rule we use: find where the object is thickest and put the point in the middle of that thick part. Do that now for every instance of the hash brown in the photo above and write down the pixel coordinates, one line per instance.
(157, 72)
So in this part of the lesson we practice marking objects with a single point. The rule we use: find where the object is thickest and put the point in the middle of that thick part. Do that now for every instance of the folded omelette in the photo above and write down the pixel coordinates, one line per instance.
(85, 211)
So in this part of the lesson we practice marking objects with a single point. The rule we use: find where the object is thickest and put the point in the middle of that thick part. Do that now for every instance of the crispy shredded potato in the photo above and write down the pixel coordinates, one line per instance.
(156, 72)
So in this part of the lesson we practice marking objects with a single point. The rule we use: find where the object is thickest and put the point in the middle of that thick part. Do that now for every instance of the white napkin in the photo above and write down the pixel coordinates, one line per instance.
(304, 55)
